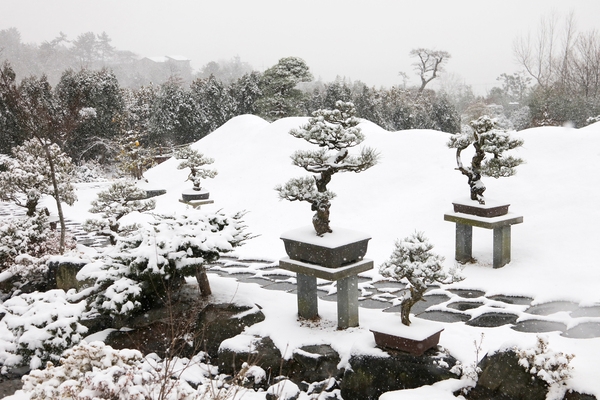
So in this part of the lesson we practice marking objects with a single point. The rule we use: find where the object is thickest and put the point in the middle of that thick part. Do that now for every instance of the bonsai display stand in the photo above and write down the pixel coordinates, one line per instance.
(464, 235)
(346, 278)
(196, 203)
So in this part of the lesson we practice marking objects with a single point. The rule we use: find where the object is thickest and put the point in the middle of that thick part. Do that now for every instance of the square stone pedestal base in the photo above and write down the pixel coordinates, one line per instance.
(347, 288)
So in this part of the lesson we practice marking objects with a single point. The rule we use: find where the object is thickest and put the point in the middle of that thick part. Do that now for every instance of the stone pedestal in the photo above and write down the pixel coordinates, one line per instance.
(347, 287)
(502, 235)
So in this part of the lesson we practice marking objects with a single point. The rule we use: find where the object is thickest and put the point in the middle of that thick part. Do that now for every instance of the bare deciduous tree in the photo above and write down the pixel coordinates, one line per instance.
(430, 63)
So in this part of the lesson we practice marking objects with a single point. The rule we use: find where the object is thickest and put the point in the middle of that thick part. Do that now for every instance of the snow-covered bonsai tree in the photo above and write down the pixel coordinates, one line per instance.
(195, 161)
(485, 139)
(413, 262)
(334, 131)
(120, 199)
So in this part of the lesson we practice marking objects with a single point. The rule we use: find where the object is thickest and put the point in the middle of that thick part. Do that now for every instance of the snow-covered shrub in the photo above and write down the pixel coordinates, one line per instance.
(120, 199)
(550, 366)
(195, 161)
(28, 175)
(157, 257)
(96, 371)
(91, 171)
(414, 262)
(43, 325)
(26, 243)
(23, 235)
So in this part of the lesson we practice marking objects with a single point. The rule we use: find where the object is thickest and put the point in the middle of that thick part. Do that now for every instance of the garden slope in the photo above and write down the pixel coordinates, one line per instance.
(557, 192)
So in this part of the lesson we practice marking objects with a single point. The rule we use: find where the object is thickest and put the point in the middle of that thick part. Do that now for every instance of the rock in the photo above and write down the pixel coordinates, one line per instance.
(502, 377)
(371, 376)
(63, 275)
(260, 351)
(315, 363)
(283, 390)
(218, 322)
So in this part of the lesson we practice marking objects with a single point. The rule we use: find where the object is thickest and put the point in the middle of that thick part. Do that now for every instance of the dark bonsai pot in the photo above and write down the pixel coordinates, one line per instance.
(489, 210)
(193, 194)
(415, 339)
(332, 250)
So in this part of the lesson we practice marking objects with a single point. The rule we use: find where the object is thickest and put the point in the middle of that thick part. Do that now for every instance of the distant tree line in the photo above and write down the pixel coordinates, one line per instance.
(81, 81)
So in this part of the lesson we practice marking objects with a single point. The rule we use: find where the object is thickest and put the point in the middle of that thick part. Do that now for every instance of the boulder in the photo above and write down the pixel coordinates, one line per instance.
(371, 376)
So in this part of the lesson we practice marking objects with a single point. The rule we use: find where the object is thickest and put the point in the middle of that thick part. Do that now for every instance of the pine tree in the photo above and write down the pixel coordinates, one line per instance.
(195, 161)
(334, 131)
(28, 175)
(413, 260)
(120, 199)
(485, 139)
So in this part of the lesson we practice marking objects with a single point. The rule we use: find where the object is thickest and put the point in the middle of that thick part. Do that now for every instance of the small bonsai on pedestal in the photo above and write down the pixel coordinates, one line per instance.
(485, 139)
(334, 131)
(413, 262)
(195, 160)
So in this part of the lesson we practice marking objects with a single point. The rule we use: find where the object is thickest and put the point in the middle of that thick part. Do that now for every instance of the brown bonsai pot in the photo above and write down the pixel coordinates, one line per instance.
(488, 210)
(415, 339)
(332, 250)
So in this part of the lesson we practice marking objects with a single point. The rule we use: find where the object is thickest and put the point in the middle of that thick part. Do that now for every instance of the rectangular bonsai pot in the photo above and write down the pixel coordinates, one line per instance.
(415, 339)
(489, 210)
(332, 250)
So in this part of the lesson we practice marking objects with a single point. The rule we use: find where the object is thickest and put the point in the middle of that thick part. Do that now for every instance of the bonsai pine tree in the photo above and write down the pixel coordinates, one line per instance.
(334, 131)
(413, 261)
(195, 161)
(120, 199)
(485, 139)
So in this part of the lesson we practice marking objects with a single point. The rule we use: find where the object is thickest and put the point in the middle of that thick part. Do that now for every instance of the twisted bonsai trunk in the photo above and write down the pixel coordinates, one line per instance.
(408, 302)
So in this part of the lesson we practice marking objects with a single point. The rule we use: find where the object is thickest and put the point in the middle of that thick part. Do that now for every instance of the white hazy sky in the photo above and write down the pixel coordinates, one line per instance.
(360, 40)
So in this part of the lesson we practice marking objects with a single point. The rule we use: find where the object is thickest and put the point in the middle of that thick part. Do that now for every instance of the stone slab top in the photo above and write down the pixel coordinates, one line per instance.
(330, 274)
(484, 222)
(466, 201)
(339, 237)
(197, 202)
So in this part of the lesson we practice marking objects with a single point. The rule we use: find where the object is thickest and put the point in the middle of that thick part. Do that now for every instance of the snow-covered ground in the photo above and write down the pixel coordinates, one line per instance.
(554, 252)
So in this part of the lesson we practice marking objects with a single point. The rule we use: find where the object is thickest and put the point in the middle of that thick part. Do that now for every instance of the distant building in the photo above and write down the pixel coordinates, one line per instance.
(159, 69)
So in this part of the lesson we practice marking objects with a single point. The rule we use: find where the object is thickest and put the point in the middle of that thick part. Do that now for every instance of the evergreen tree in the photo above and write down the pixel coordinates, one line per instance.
(413, 260)
(94, 100)
(280, 96)
(195, 161)
(334, 131)
(120, 199)
(173, 116)
(28, 175)
(485, 139)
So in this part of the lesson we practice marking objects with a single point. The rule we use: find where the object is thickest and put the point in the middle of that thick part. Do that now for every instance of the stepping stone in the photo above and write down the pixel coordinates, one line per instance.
(389, 287)
(539, 326)
(492, 320)
(584, 330)
(421, 306)
(444, 316)
(517, 300)
(552, 307)
(372, 303)
(586, 312)
(283, 286)
(464, 305)
(278, 277)
(467, 293)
